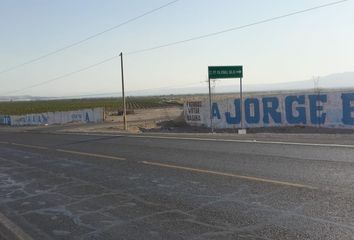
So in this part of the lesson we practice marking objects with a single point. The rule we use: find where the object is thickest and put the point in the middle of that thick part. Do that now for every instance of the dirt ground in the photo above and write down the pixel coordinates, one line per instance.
(140, 121)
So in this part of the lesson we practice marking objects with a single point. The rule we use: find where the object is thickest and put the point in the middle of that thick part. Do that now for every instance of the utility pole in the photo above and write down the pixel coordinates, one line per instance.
(123, 95)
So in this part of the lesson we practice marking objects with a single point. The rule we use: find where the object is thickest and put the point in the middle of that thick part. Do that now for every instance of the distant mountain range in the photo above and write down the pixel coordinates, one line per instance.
(333, 81)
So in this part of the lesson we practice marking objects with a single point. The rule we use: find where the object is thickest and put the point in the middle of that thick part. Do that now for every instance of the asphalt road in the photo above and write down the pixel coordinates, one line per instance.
(72, 186)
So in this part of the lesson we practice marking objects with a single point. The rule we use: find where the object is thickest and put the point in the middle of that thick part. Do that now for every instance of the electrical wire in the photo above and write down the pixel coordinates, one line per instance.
(63, 76)
(86, 39)
(234, 28)
(182, 41)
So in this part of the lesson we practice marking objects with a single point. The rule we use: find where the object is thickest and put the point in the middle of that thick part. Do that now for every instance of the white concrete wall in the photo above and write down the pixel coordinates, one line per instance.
(328, 109)
(94, 115)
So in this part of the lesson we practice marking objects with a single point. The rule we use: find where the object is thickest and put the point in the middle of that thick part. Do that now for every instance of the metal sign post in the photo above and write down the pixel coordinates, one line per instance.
(241, 104)
(211, 113)
(217, 72)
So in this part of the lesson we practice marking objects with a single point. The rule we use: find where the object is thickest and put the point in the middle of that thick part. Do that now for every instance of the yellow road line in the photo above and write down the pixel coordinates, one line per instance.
(10, 229)
(252, 141)
(28, 146)
(229, 175)
(90, 154)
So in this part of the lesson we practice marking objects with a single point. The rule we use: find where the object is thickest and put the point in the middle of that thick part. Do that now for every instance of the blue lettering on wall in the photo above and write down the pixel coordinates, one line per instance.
(5, 120)
(271, 110)
(87, 117)
(316, 115)
(255, 117)
(77, 116)
(215, 111)
(44, 118)
(237, 118)
(348, 109)
(300, 117)
(332, 109)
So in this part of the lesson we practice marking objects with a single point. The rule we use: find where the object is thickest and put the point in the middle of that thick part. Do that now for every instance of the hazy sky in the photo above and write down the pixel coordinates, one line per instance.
(296, 48)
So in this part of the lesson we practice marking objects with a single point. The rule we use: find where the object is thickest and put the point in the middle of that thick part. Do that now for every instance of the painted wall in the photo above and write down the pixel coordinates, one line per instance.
(327, 109)
(84, 116)
(5, 120)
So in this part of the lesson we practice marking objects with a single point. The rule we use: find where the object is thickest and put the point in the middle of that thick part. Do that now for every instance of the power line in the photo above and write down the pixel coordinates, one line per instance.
(87, 38)
(234, 28)
(182, 41)
(63, 76)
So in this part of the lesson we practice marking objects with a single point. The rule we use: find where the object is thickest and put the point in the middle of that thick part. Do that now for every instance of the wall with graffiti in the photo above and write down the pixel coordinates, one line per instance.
(333, 109)
(84, 116)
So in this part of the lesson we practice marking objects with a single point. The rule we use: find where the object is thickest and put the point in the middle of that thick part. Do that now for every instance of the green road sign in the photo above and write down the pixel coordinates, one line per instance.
(216, 72)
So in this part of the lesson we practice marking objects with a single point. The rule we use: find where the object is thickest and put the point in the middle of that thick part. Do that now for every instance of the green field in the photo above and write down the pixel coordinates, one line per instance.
(110, 105)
